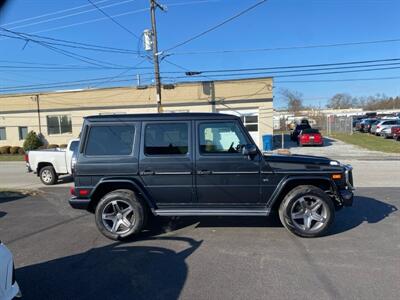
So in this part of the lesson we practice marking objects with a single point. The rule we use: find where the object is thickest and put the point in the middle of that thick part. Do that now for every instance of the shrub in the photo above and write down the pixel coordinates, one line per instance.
(5, 150)
(32, 141)
(51, 146)
(14, 149)
(21, 151)
(63, 146)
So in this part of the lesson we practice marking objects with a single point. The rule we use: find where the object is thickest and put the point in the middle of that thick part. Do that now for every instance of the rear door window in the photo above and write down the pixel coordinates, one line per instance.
(166, 139)
(110, 140)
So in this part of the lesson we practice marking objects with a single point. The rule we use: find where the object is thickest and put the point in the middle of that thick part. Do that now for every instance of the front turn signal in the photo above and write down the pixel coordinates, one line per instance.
(336, 176)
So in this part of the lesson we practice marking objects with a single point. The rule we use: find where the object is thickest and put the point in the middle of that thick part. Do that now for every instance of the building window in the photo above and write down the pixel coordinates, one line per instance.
(110, 140)
(59, 124)
(166, 139)
(23, 132)
(221, 137)
(3, 135)
(250, 122)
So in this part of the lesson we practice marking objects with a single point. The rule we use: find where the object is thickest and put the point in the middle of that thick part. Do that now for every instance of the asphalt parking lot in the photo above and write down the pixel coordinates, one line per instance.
(59, 254)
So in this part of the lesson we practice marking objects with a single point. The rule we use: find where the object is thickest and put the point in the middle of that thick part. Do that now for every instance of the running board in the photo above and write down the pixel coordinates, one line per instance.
(212, 212)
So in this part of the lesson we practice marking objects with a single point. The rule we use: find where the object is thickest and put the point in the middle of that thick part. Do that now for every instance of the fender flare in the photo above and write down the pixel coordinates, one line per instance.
(288, 179)
(137, 186)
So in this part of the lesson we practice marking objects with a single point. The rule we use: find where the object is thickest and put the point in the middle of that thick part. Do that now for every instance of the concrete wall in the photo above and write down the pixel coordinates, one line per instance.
(21, 110)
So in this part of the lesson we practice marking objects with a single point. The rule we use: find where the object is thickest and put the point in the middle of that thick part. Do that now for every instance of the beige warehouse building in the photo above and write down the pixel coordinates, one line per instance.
(59, 115)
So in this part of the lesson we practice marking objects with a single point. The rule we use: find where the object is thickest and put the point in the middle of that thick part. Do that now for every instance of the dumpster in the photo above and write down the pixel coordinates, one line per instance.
(267, 142)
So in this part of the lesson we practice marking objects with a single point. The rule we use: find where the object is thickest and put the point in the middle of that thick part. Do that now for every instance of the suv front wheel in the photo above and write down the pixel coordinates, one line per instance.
(120, 214)
(307, 211)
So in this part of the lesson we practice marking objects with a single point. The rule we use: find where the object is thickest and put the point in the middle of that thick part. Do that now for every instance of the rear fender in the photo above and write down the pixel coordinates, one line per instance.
(115, 183)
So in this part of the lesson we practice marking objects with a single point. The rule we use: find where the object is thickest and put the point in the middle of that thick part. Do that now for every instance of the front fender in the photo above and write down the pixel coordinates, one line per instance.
(287, 180)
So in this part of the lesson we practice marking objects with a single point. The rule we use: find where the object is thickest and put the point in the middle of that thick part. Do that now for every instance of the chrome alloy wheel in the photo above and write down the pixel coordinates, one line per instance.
(47, 176)
(309, 214)
(118, 217)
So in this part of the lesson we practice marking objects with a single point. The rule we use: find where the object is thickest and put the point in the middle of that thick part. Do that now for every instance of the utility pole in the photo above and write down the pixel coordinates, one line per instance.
(36, 99)
(153, 6)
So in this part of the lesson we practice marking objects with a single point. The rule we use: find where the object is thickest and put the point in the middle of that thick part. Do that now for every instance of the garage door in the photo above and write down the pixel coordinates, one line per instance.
(250, 120)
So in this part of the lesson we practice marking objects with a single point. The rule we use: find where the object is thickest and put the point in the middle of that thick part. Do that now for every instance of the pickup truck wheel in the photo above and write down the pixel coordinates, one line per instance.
(48, 175)
(307, 211)
(120, 215)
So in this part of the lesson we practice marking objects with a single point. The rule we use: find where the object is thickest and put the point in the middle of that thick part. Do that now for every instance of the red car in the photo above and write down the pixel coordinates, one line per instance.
(396, 133)
(310, 136)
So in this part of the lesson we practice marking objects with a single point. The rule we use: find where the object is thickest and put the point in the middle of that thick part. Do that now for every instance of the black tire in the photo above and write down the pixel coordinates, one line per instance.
(48, 175)
(306, 192)
(137, 218)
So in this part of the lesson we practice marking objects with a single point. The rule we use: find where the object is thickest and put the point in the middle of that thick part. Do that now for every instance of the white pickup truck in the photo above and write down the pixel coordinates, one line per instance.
(50, 163)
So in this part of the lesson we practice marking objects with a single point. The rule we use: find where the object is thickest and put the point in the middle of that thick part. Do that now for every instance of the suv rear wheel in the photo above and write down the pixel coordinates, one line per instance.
(120, 215)
(307, 211)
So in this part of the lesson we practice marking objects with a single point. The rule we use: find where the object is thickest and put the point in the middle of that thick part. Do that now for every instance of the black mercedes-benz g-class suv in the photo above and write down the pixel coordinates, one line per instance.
(198, 164)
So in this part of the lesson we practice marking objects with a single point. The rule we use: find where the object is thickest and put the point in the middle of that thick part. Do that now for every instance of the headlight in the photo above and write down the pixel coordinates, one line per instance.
(334, 163)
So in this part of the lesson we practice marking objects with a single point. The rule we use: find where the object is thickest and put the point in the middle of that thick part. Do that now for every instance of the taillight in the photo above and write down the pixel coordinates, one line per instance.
(317, 138)
(378, 126)
(84, 192)
(72, 191)
(305, 138)
(26, 158)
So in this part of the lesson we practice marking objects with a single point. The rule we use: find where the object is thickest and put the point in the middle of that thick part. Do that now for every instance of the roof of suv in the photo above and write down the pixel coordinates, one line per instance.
(163, 116)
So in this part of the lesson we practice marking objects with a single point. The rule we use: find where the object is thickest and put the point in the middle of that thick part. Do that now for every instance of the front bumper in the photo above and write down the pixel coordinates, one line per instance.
(347, 197)
(79, 203)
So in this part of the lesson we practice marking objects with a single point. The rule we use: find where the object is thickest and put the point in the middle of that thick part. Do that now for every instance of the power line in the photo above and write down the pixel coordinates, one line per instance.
(392, 60)
(286, 48)
(70, 54)
(270, 74)
(69, 15)
(216, 26)
(113, 20)
(67, 43)
(50, 14)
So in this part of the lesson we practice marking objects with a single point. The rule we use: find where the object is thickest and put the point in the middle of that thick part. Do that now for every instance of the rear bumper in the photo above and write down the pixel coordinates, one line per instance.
(79, 203)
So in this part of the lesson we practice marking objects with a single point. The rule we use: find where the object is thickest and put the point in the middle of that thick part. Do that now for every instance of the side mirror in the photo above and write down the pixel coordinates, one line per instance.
(249, 150)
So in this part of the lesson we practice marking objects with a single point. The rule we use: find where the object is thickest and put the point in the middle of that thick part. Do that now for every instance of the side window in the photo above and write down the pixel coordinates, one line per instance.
(166, 139)
(221, 137)
(110, 140)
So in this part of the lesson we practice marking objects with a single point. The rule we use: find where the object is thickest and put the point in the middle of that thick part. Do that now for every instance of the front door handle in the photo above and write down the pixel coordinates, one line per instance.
(204, 172)
(147, 173)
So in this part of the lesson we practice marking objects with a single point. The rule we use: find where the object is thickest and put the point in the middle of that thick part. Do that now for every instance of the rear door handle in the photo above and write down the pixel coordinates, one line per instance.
(204, 172)
(147, 173)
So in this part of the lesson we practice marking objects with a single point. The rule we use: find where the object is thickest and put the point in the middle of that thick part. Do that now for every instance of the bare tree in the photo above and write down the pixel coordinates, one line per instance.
(293, 99)
(341, 101)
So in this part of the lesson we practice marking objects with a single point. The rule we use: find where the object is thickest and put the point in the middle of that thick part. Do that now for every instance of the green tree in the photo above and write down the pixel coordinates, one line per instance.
(32, 141)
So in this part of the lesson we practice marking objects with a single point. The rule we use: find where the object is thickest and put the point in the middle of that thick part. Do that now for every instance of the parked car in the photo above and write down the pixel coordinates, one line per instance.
(9, 288)
(373, 128)
(310, 136)
(384, 124)
(198, 164)
(365, 125)
(299, 127)
(50, 163)
(395, 131)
